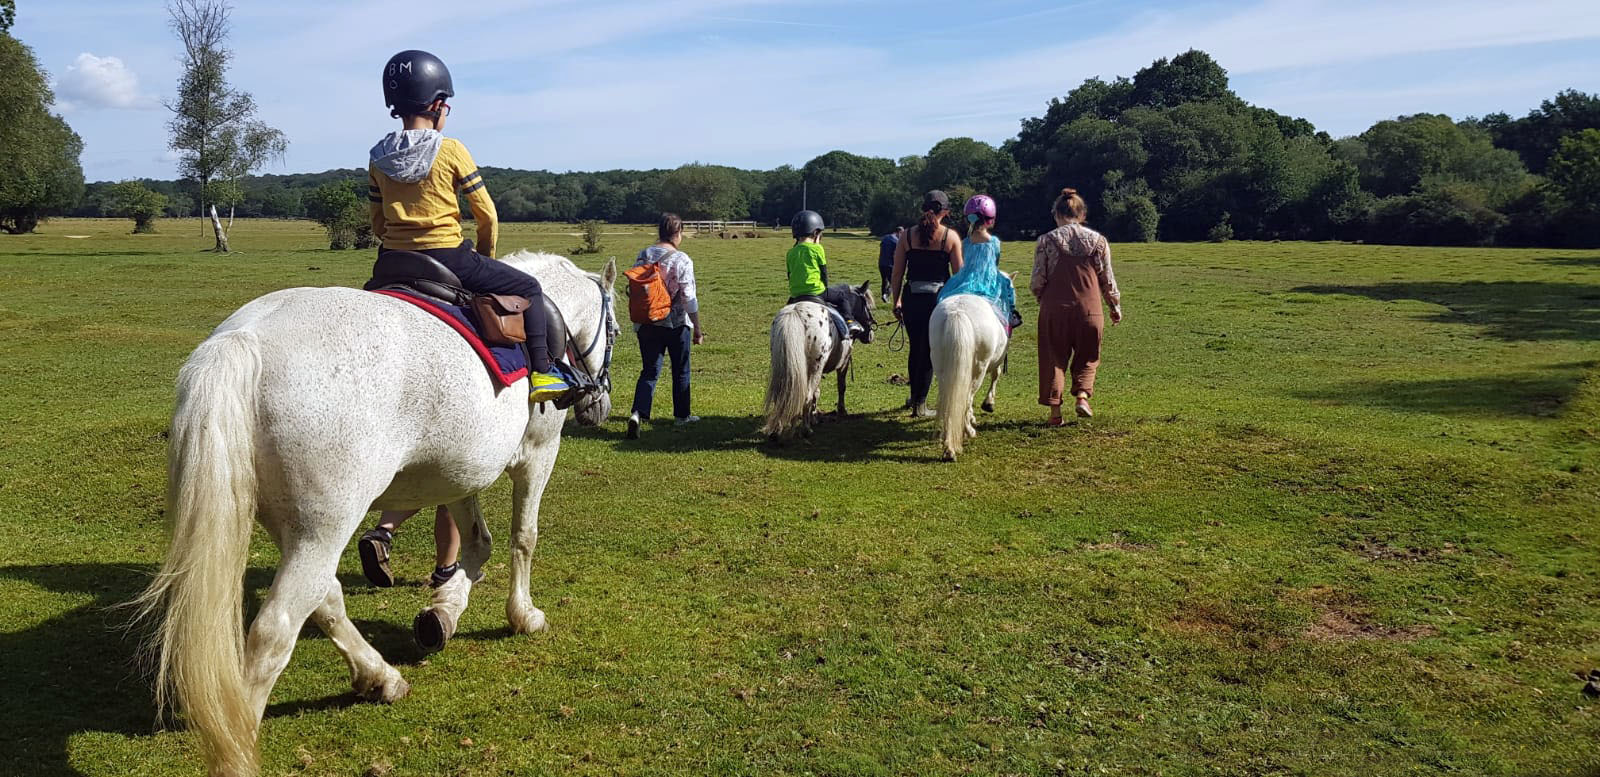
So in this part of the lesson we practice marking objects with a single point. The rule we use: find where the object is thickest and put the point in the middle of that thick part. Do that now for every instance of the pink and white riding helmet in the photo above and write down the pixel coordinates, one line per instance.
(980, 207)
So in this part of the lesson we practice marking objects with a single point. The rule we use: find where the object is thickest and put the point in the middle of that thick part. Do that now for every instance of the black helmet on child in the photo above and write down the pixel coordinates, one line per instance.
(806, 223)
(412, 80)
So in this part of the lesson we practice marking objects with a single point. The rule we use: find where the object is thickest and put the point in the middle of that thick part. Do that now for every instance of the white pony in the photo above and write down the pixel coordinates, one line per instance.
(805, 346)
(304, 410)
(968, 344)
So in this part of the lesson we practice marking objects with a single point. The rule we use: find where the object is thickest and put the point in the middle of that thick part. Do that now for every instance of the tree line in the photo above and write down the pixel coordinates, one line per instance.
(1171, 153)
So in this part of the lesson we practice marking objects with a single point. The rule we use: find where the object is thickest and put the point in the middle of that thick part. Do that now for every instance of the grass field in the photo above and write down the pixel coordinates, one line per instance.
(1336, 515)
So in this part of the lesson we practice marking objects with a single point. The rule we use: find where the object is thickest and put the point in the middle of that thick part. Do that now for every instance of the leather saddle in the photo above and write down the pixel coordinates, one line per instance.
(418, 274)
(426, 276)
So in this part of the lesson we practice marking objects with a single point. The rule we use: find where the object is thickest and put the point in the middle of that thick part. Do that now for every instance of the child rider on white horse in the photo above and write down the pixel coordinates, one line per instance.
(413, 179)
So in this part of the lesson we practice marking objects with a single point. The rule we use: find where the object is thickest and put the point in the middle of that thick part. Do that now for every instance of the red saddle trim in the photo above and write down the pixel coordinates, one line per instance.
(472, 338)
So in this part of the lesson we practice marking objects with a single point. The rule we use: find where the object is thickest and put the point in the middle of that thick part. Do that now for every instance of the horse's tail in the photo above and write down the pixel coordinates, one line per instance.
(954, 338)
(788, 383)
(197, 596)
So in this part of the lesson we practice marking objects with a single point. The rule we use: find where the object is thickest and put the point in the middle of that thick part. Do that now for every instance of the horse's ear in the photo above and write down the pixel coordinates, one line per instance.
(866, 289)
(609, 275)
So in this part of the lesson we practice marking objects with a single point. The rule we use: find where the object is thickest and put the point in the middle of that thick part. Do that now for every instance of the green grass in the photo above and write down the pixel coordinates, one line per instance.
(1335, 515)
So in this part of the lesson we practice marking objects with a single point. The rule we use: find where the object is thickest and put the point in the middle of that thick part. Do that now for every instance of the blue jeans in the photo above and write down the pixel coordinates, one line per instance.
(654, 342)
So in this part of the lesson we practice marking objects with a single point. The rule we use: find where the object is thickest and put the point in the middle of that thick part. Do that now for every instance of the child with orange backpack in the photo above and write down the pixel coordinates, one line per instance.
(663, 271)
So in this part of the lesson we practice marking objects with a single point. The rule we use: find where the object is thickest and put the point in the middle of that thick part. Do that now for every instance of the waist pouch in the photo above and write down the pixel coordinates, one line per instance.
(924, 287)
(500, 317)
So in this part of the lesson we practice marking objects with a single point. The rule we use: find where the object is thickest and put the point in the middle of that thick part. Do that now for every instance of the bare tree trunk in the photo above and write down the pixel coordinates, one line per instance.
(222, 237)
(230, 218)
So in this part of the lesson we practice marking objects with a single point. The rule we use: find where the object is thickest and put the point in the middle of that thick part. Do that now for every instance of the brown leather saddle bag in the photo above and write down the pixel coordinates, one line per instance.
(500, 317)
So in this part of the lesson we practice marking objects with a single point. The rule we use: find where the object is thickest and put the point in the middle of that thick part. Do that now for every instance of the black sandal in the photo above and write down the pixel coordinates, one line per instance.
(374, 549)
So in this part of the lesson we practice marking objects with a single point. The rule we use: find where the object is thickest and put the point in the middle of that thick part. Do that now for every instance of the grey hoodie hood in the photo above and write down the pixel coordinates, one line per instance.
(408, 155)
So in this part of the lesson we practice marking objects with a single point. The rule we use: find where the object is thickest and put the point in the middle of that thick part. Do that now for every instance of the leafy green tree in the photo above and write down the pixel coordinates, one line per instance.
(131, 200)
(340, 210)
(1130, 213)
(213, 126)
(1192, 76)
(890, 210)
(8, 14)
(1538, 135)
(605, 202)
(780, 196)
(703, 192)
(966, 162)
(38, 151)
(1575, 169)
(1398, 155)
(840, 185)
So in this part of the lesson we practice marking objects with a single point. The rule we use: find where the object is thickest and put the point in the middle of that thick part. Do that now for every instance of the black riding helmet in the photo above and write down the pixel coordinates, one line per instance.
(806, 223)
(412, 80)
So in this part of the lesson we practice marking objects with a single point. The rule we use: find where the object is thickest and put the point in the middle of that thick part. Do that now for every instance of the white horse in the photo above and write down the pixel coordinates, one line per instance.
(304, 410)
(805, 346)
(968, 344)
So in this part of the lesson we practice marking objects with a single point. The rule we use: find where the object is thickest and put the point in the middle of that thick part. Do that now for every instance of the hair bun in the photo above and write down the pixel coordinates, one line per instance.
(1068, 192)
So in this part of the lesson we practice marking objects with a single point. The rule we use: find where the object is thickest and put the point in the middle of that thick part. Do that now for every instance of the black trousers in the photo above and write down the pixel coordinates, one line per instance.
(917, 312)
(482, 275)
(884, 271)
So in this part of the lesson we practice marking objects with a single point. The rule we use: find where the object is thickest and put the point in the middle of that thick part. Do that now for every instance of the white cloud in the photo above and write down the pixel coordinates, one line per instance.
(100, 82)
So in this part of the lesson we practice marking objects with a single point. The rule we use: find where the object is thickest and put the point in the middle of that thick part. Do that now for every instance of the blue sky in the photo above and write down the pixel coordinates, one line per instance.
(595, 84)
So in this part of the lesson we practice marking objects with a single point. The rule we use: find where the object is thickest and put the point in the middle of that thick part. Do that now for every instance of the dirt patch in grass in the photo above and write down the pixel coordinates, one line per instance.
(1377, 550)
(1129, 547)
(1336, 626)
(1117, 541)
(1204, 621)
(1342, 618)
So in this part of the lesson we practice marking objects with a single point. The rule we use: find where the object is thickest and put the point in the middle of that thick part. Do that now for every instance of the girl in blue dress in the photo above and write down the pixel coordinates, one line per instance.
(981, 274)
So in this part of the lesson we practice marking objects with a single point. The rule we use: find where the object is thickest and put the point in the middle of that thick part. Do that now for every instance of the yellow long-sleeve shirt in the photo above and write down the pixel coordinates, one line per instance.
(423, 215)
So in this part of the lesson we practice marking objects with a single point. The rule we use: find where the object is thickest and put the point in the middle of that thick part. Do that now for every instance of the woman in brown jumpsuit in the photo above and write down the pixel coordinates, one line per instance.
(1071, 272)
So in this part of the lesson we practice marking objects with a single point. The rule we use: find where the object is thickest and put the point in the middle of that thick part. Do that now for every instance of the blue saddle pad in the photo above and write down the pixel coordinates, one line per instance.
(839, 324)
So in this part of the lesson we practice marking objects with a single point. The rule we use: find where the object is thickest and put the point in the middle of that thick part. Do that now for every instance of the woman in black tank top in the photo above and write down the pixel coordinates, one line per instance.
(923, 261)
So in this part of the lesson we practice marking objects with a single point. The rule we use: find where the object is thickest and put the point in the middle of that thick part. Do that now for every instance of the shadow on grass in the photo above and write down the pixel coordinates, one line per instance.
(79, 671)
(1540, 393)
(884, 435)
(74, 672)
(1573, 261)
(1506, 310)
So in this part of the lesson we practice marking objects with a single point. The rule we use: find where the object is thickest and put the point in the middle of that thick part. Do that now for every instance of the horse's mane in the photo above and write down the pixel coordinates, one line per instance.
(538, 262)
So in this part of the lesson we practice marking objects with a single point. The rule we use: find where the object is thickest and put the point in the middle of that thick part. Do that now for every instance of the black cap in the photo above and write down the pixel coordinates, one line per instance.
(936, 197)
(806, 223)
(412, 80)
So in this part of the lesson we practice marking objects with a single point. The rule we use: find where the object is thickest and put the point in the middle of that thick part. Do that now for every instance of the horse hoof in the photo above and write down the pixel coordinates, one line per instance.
(949, 456)
(988, 407)
(388, 690)
(431, 630)
(528, 621)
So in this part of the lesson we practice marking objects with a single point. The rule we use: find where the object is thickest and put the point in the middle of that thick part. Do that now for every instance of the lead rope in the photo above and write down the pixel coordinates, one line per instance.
(900, 332)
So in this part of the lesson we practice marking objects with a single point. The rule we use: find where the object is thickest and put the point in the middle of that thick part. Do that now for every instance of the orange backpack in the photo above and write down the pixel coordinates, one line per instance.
(648, 300)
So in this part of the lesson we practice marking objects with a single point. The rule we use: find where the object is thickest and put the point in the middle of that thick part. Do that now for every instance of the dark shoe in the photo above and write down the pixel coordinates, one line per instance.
(633, 426)
(374, 549)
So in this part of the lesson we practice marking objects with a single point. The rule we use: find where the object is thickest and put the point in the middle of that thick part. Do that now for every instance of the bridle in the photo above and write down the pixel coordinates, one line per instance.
(608, 325)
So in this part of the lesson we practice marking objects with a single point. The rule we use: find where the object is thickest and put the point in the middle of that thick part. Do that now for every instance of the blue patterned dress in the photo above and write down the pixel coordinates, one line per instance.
(980, 275)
